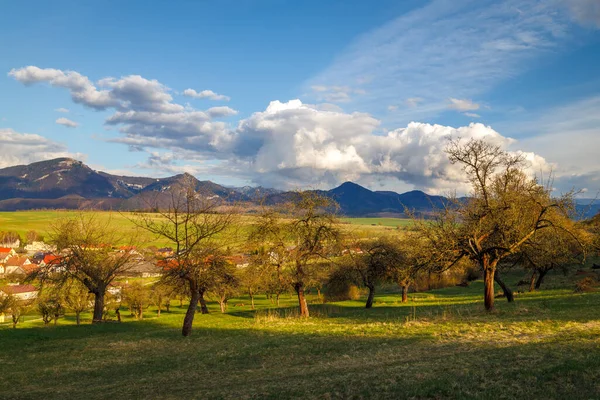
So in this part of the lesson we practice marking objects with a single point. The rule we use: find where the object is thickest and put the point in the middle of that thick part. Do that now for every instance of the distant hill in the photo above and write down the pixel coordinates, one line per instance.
(65, 183)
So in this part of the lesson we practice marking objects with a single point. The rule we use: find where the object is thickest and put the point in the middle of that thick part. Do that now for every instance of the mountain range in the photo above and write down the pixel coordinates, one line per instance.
(65, 183)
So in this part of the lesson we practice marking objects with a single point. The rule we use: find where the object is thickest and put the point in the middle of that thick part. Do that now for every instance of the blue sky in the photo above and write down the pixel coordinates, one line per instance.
(299, 94)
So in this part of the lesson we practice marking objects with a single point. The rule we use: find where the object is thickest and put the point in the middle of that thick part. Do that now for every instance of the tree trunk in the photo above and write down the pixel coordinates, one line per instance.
(98, 307)
(168, 305)
(222, 304)
(118, 312)
(78, 317)
(405, 293)
(252, 298)
(301, 299)
(189, 315)
(371, 296)
(488, 280)
(203, 307)
(158, 312)
(507, 291)
(141, 312)
(277, 299)
(15, 320)
(532, 281)
(540, 278)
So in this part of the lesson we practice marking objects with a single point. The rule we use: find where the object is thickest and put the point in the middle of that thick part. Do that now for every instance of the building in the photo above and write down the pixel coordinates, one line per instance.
(20, 292)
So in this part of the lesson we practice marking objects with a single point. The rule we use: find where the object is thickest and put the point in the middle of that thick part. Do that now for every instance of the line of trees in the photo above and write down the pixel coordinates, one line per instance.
(508, 219)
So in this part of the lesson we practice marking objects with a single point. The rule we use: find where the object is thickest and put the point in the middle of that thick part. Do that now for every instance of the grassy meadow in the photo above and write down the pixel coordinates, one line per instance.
(441, 344)
(42, 222)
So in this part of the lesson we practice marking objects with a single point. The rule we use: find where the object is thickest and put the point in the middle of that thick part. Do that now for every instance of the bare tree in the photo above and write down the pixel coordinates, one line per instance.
(370, 263)
(503, 212)
(195, 224)
(85, 254)
(307, 231)
(77, 298)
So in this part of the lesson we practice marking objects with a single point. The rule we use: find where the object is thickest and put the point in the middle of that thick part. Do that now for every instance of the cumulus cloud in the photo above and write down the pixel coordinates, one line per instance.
(127, 93)
(24, 148)
(205, 94)
(462, 105)
(292, 143)
(289, 144)
(62, 110)
(67, 122)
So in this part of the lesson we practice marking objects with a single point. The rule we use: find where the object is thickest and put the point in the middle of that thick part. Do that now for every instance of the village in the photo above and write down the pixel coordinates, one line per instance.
(19, 265)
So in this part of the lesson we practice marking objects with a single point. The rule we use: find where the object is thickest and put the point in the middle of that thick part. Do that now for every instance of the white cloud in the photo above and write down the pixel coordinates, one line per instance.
(294, 144)
(127, 93)
(568, 135)
(445, 49)
(472, 115)
(224, 111)
(24, 148)
(67, 122)
(462, 105)
(336, 94)
(413, 101)
(62, 110)
(205, 94)
(289, 144)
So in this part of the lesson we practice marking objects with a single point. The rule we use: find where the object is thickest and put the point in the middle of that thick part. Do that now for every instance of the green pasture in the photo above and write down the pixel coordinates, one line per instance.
(439, 345)
(43, 221)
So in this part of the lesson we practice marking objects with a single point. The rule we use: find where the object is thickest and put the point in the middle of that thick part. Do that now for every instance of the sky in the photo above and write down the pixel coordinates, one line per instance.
(303, 94)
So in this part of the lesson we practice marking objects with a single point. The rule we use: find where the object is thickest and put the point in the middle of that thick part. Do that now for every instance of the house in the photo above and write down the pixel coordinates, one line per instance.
(35, 247)
(142, 268)
(164, 252)
(17, 265)
(20, 292)
(239, 260)
(6, 253)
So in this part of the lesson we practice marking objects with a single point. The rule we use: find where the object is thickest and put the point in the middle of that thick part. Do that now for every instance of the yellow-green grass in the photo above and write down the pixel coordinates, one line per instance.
(373, 221)
(441, 344)
(43, 221)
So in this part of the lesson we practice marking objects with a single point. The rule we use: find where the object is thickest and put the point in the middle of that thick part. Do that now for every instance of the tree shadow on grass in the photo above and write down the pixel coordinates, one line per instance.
(144, 360)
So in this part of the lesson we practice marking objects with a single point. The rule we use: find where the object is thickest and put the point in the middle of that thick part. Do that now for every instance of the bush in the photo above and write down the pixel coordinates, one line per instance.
(338, 290)
(587, 284)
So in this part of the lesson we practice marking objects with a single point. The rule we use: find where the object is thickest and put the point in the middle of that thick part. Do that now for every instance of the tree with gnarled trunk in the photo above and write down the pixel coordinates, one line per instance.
(193, 222)
(503, 212)
(85, 254)
(554, 248)
(306, 229)
(368, 263)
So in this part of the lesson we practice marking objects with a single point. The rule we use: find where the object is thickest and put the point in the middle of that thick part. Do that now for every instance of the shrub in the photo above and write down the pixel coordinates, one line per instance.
(587, 284)
(340, 290)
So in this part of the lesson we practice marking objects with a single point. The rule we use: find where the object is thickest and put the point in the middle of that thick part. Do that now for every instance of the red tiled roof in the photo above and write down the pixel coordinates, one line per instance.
(5, 249)
(17, 289)
(29, 268)
(51, 259)
(16, 261)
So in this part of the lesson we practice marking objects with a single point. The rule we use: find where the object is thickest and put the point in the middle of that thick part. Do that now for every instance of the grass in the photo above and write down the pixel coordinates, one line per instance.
(389, 222)
(439, 345)
(42, 222)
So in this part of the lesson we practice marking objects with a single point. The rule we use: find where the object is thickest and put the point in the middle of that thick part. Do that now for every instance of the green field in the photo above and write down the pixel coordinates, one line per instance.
(389, 222)
(439, 345)
(42, 222)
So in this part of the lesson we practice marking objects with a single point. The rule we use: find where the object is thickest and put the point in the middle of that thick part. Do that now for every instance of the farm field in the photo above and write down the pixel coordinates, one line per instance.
(441, 344)
(42, 222)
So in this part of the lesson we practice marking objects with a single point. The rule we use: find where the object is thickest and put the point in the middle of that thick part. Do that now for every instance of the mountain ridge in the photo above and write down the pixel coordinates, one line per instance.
(70, 184)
